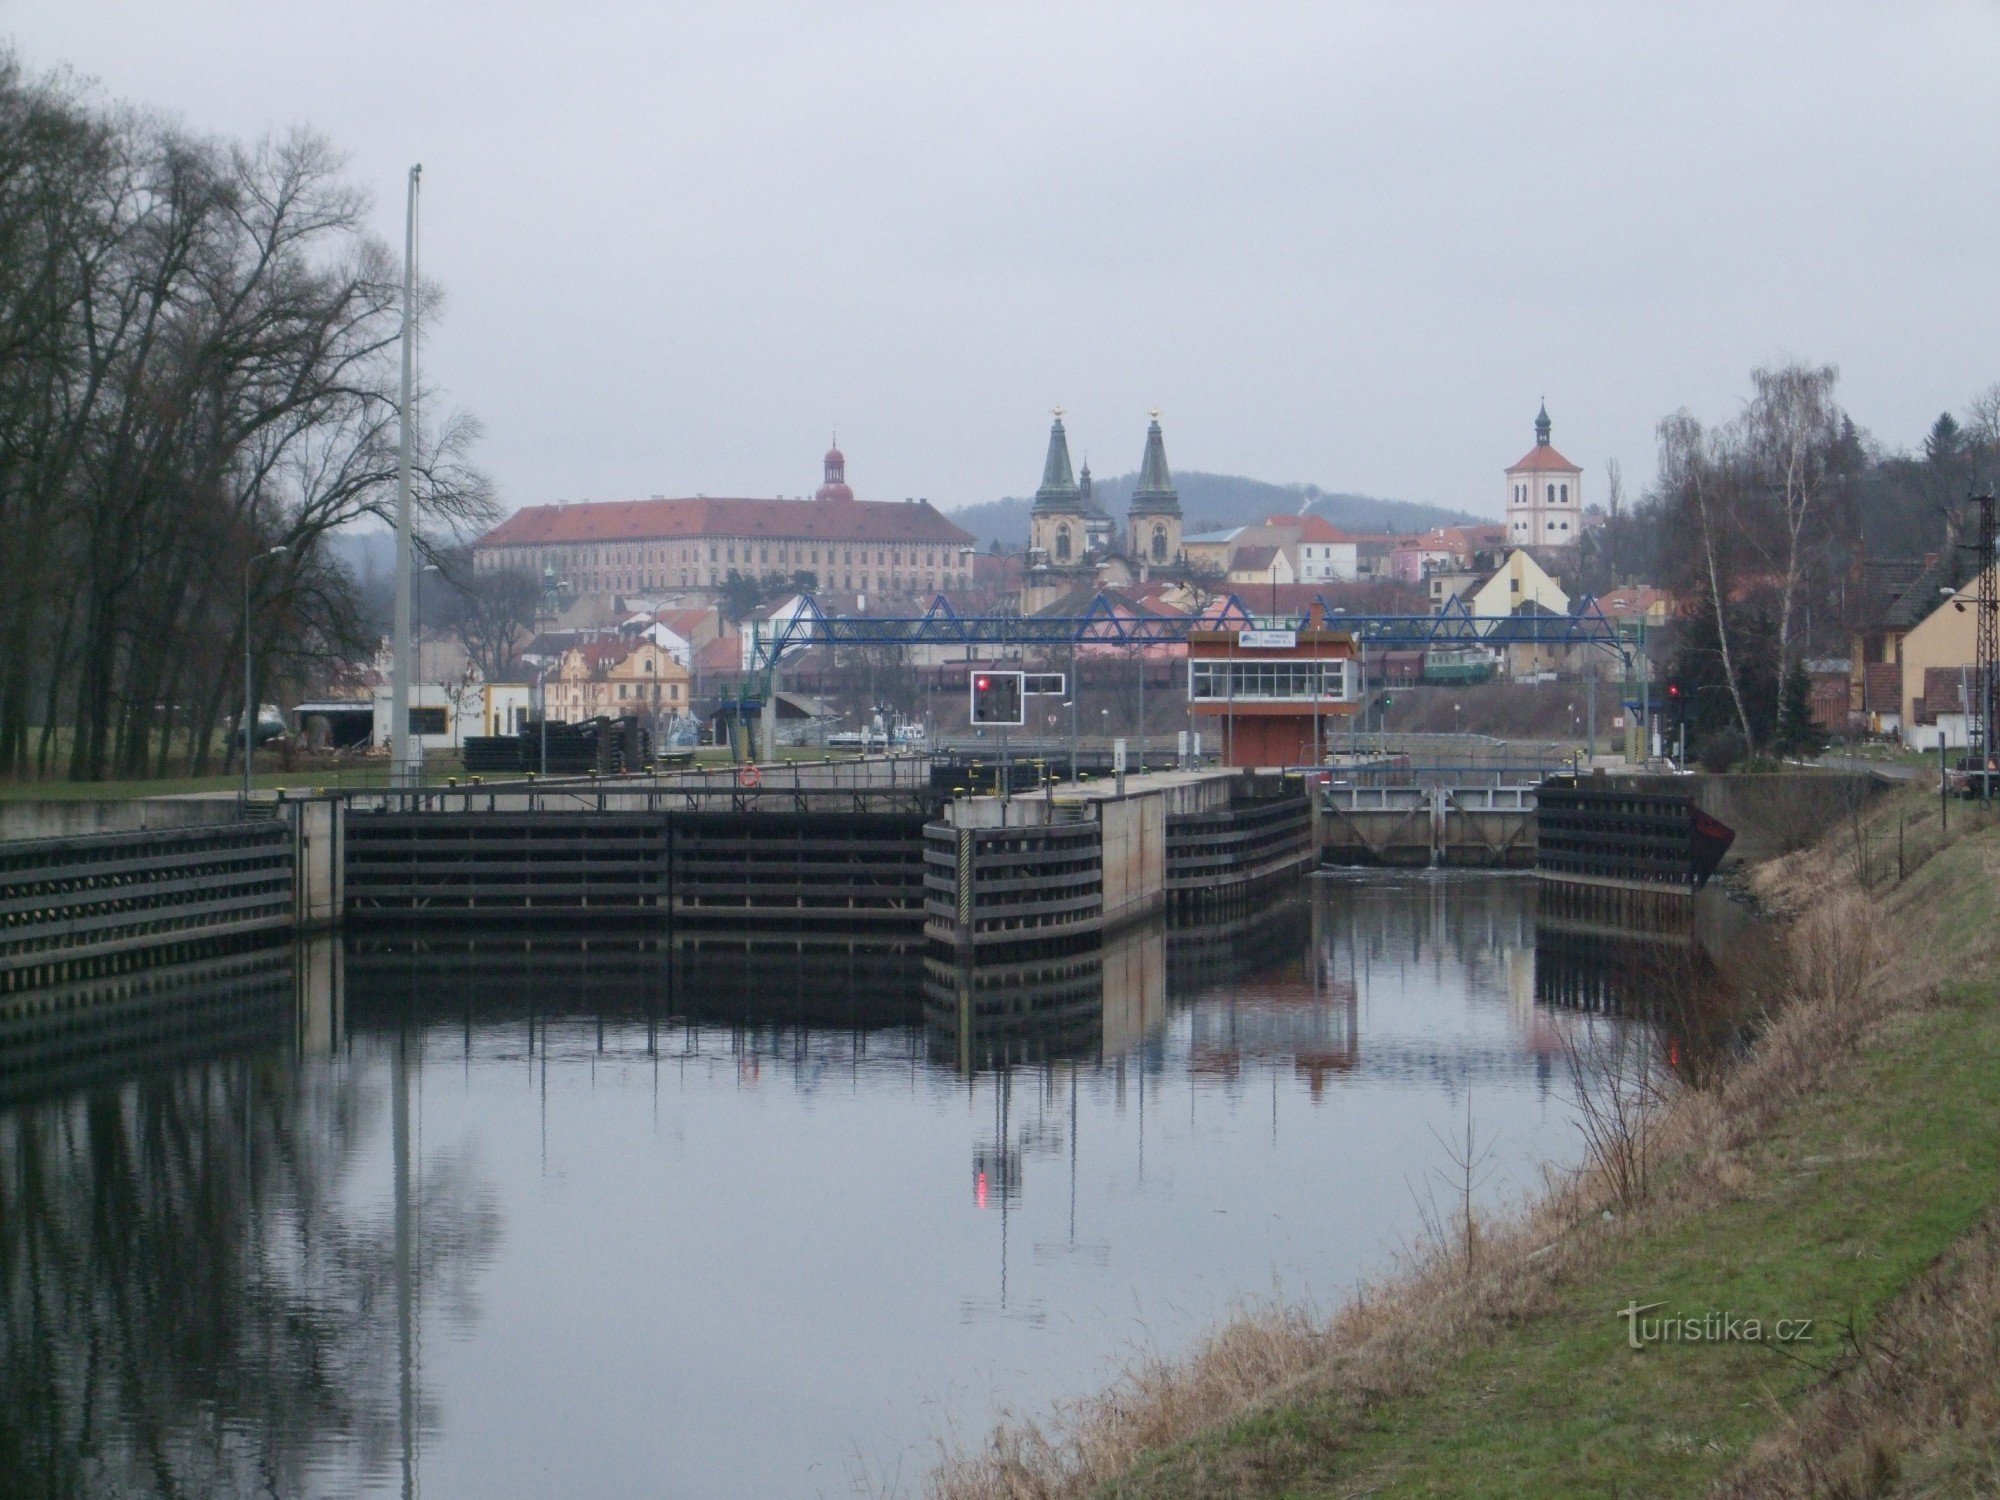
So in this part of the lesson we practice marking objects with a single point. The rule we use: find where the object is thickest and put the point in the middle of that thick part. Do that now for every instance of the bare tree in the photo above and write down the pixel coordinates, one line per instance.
(1693, 476)
(1786, 439)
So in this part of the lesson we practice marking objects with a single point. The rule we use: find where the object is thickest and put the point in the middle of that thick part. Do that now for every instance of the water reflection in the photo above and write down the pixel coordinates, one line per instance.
(192, 1292)
(502, 1217)
(1698, 974)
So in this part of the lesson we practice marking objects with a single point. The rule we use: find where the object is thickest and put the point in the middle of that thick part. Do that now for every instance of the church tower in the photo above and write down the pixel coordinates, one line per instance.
(1153, 524)
(1057, 533)
(1544, 494)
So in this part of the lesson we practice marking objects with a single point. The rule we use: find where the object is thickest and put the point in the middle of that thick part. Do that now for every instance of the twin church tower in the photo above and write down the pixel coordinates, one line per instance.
(1071, 540)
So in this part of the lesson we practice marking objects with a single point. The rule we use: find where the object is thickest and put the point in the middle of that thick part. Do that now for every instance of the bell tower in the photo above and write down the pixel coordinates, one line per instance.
(1153, 522)
(1057, 536)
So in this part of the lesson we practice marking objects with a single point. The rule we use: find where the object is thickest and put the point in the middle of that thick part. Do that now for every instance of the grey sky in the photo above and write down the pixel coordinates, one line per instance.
(1350, 245)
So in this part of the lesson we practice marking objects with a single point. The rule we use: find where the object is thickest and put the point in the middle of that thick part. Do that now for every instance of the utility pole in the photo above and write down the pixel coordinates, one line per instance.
(1988, 653)
(249, 675)
(401, 748)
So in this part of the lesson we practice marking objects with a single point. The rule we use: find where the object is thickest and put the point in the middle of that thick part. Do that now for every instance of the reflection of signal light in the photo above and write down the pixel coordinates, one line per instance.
(979, 1191)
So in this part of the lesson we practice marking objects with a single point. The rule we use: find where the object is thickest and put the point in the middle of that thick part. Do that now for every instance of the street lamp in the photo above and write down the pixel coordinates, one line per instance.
(249, 680)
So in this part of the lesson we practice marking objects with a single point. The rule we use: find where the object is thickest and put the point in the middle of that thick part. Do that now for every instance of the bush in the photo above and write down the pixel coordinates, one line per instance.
(1720, 751)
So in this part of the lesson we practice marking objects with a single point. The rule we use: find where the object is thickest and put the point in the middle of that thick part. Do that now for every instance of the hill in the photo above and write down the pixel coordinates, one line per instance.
(1214, 501)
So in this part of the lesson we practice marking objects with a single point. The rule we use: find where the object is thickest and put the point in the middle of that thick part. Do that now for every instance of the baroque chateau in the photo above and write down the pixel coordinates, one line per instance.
(887, 548)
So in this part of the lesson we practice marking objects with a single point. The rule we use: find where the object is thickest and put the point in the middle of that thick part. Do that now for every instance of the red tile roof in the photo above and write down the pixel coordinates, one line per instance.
(1942, 693)
(723, 654)
(1543, 459)
(1634, 599)
(650, 520)
(1882, 687)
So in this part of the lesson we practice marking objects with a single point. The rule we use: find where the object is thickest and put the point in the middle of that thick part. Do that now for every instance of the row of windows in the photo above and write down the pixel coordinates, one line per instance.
(1558, 494)
(784, 553)
(1266, 681)
(692, 578)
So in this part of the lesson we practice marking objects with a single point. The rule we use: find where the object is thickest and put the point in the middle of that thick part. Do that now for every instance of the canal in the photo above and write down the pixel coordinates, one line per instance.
(481, 1217)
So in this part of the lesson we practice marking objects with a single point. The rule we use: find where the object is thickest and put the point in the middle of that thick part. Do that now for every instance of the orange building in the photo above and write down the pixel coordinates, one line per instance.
(1272, 697)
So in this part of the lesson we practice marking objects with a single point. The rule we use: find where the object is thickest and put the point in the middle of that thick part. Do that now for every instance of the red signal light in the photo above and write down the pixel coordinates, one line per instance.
(983, 683)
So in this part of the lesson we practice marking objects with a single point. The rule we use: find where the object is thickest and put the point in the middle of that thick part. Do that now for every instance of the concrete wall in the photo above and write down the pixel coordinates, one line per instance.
(318, 880)
(1779, 813)
(61, 818)
(1135, 857)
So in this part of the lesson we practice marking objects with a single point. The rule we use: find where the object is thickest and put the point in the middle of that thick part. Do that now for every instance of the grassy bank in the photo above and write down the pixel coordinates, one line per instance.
(1845, 1173)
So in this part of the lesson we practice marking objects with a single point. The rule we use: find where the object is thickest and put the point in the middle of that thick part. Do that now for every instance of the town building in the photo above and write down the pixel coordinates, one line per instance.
(616, 679)
(1544, 495)
(1943, 641)
(895, 549)
(1519, 580)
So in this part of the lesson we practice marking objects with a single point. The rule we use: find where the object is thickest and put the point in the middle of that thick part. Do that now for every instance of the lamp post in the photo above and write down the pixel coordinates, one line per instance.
(249, 667)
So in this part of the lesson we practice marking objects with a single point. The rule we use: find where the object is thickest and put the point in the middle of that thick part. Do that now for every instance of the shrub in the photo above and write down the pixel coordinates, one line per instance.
(1720, 751)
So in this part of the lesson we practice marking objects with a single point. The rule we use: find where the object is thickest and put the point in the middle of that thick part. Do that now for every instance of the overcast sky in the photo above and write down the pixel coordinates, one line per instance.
(1340, 244)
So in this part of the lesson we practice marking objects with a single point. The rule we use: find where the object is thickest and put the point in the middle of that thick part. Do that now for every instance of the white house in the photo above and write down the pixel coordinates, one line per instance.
(1518, 580)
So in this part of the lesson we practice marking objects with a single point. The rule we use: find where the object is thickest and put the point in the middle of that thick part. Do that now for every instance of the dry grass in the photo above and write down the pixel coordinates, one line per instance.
(1915, 1411)
(1821, 994)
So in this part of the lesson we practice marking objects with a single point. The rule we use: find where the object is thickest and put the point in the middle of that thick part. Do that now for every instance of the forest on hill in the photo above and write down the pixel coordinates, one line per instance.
(1211, 502)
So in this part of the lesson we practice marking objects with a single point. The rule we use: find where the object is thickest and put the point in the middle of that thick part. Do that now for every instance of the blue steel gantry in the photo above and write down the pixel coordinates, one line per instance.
(1102, 623)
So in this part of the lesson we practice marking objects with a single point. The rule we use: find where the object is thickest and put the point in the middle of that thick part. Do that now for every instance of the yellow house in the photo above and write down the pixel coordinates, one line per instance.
(1946, 637)
(649, 681)
(1518, 580)
(611, 679)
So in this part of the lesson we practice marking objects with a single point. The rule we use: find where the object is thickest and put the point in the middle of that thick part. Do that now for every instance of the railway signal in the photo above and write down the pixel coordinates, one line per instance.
(997, 698)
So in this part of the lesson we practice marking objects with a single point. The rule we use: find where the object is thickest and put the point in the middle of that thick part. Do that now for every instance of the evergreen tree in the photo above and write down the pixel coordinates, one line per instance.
(1797, 734)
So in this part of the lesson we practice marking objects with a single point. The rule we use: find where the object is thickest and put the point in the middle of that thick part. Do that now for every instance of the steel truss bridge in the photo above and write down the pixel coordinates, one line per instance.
(1103, 624)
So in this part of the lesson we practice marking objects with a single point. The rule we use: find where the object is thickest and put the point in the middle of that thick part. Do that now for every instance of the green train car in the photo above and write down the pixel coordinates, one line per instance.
(1447, 665)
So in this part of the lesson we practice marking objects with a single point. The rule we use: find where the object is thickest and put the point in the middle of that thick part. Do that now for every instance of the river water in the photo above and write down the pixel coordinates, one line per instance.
(488, 1219)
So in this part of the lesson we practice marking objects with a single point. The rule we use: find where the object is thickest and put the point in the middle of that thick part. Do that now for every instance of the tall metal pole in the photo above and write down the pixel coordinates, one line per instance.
(1072, 706)
(1989, 640)
(402, 756)
(249, 678)
(1142, 705)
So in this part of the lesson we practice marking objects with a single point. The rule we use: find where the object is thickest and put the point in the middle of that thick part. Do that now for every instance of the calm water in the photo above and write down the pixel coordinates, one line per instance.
(499, 1221)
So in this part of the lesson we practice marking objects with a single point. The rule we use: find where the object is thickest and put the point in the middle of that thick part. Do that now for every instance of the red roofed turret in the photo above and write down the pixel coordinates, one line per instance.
(835, 486)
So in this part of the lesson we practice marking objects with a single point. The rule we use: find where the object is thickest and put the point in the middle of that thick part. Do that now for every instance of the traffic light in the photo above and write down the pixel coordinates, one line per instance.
(997, 698)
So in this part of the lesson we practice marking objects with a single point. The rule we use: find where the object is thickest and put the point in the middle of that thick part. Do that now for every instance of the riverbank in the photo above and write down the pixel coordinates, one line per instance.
(1841, 1181)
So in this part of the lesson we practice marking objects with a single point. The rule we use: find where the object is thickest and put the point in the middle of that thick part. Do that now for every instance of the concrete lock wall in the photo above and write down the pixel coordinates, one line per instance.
(1779, 812)
(65, 818)
(319, 887)
(1135, 857)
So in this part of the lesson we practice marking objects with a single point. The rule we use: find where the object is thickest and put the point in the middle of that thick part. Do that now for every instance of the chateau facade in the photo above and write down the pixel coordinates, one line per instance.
(626, 547)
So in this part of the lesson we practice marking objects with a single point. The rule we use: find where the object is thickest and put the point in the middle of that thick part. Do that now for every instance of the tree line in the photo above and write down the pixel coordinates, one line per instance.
(197, 366)
(1759, 526)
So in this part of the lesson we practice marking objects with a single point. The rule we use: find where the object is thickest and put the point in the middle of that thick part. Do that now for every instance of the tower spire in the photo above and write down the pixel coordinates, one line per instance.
(1058, 491)
(1155, 494)
(1542, 425)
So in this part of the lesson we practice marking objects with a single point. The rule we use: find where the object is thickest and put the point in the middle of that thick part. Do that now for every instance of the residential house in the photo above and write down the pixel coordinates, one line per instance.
(1517, 581)
(1946, 637)
(1267, 565)
(1894, 595)
(616, 678)
(1637, 603)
